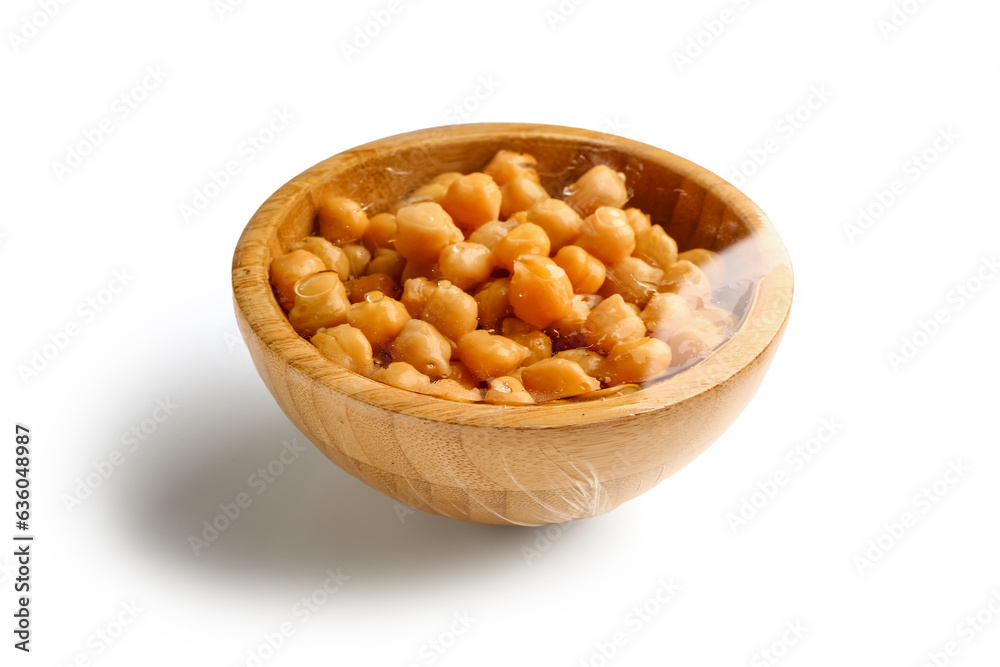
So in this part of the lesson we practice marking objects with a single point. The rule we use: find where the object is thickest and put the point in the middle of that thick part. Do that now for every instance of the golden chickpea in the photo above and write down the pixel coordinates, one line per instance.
(453, 391)
(606, 235)
(540, 291)
(720, 317)
(639, 221)
(452, 311)
(373, 282)
(613, 322)
(461, 374)
(491, 233)
(558, 219)
(655, 246)
(334, 257)
(466, 264)
(488, 356)
(434, 192)
(420, 270)
(493, 302)
(695, 341)
(508, 165)
(342, 220)
(638, 360)
(601, 186)
(507, 390)
(519, 218)
(446, 178)
(346, 346)
(686, 279)
(592, 363)
(381, 232)
(709, 262)
(379, 317)
(320, 301)
(359, 258)
(389, 262)
(634, 279)
(519, 194)
(539, 345)
(568, 331)
(404, 376)
(423, 347)
(556, 378)
(526, 239)
(416, 291)
(472, 200)
(665, 314)
(586, 273)
(423, 230)
(288, 269)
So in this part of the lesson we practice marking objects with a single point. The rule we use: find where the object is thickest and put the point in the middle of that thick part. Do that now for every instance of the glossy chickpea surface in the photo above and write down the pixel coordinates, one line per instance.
(482, 287)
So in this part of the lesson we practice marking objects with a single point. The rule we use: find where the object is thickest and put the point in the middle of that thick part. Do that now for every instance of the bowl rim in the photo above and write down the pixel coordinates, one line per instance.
(260, 315)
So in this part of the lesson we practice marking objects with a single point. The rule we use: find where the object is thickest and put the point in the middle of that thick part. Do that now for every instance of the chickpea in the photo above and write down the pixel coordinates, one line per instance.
(342, 220)
(359, 258)
(379, 317)
(606, 235)
(519, 194)
(634, 279)
(559, 221)
(612, 322)
(586, 273)
(695, 341)
(508, 165)
(538, 344)
(638, 360)
(452, 390)
(507, 390)
(488, 356)
(491, 233)
(568, 331)
(656, 247)
(434, 192)
(423, 347)
(540, 291)
(592, 363)
(665, 314)
(381, 232)
(451, 310)
(526, 239)
(380, 282)
(288, 269)
(601, 186)
(466, 264)
(345, 346)
(446, 178)
(557, 378)
(720, 317)
(389, 262)
(461, 374)
(420, 270)
(638, 220)
(416, 291)
(404, 376)
(423, 230)
(472, 200)
(709, 262)
(493, 302)
(320, 301)
(334, 257)
(519, 218)
(686, 279)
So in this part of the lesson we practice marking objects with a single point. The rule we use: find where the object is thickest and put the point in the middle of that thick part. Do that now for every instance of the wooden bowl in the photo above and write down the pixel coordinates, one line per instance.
(523, 465)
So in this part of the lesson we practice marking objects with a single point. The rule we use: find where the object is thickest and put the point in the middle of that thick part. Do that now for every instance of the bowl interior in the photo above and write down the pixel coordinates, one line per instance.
(697, 208)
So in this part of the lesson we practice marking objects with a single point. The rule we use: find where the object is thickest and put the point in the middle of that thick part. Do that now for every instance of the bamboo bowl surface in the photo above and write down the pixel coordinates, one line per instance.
(522, 465)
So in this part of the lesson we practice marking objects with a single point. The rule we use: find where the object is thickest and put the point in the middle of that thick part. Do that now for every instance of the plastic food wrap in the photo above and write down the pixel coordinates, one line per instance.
(437, 447)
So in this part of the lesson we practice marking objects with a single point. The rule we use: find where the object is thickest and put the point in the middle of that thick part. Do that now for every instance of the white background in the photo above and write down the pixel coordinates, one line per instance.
(170, 335)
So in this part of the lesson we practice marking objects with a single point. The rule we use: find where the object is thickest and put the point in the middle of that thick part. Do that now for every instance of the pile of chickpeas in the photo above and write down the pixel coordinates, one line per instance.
(484, 287)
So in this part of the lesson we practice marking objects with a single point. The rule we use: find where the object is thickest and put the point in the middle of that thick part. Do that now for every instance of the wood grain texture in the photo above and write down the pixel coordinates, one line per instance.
(521, 465)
